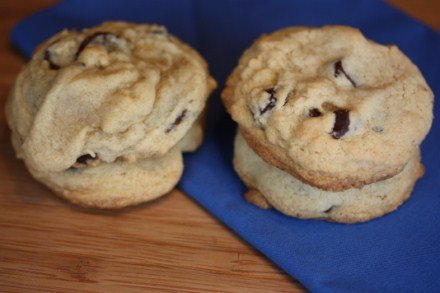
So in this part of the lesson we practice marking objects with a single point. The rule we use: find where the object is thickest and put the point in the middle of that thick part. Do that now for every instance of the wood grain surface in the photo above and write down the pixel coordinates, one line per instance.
(170, 245)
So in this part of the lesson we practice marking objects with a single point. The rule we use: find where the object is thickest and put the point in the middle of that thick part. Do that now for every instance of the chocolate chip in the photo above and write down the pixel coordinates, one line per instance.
(99, 38)
(83, 161)
(342, 122)
(314, 112)
(85, 158)
(177, 121)
(329, 209)
(48, 58)
(272, 101)
(377, 129)
(339, 69)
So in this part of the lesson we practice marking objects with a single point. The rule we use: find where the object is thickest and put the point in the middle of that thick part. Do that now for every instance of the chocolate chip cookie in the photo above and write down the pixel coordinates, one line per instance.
(329, 106)
(270, 186)
(102, 116)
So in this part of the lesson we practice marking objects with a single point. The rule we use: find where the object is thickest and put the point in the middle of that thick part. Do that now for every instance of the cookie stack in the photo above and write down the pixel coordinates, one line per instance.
(102, 116)
(330, 123)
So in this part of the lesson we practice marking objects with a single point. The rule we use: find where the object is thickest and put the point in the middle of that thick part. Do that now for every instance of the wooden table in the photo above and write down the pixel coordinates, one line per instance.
(171, 244)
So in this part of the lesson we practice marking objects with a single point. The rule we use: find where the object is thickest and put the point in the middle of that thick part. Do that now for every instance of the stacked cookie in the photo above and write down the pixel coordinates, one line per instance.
(102, 116)
(330, 123)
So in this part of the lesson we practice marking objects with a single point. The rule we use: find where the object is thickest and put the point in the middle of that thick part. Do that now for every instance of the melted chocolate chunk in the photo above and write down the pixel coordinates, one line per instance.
(314, 112)
(339, 69)
(342, 122)
(84, 159)
(100, 38)
(47, 57)
(272, 101)
(177, 121)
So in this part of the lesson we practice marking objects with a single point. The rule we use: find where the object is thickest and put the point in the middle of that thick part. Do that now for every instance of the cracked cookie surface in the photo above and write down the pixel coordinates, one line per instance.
(329, 106)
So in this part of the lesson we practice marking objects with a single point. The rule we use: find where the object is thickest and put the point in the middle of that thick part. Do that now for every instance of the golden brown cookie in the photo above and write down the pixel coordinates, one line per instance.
(98, 115)
(295, 198)
(329, 106)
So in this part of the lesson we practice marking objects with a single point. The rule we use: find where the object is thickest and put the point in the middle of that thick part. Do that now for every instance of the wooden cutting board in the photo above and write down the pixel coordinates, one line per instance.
(171, 244)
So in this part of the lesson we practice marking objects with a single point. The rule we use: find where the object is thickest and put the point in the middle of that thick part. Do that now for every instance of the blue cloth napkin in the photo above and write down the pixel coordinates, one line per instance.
(399, 252)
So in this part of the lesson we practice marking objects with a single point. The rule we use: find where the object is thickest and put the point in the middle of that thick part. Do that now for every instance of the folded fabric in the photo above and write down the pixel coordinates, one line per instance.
(399, 252)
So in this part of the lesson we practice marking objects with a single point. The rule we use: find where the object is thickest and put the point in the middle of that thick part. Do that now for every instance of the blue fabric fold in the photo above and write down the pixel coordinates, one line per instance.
(399, 252)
